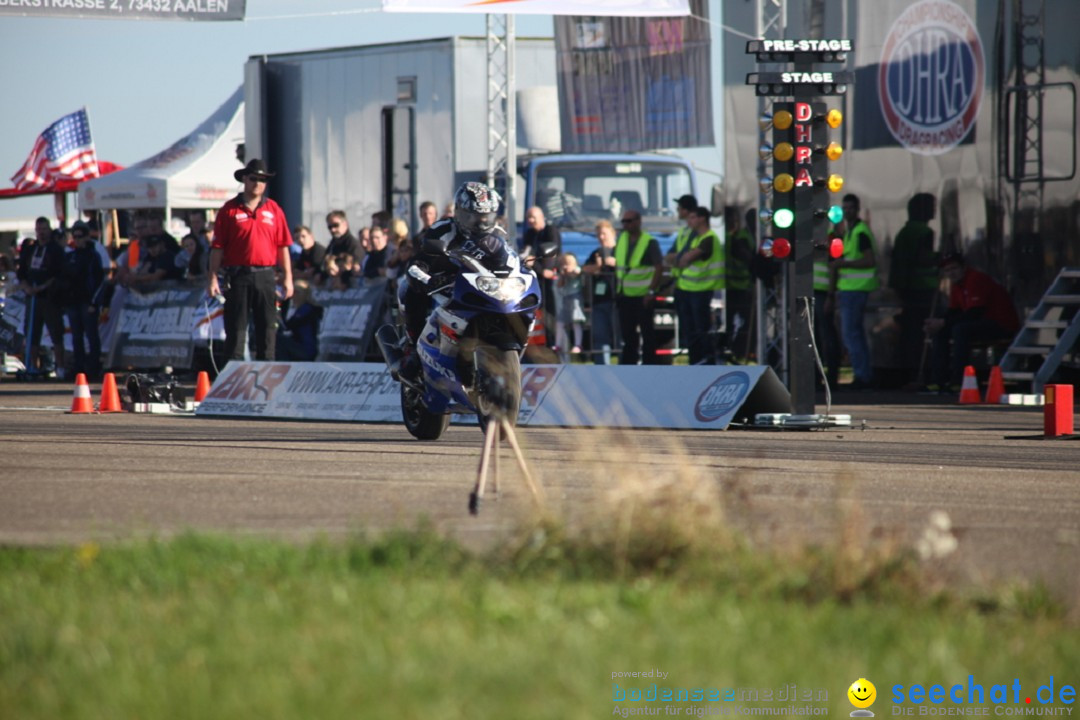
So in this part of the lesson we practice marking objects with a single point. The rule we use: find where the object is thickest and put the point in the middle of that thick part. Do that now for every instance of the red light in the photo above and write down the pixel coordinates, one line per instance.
(836, 248)
(781, 248)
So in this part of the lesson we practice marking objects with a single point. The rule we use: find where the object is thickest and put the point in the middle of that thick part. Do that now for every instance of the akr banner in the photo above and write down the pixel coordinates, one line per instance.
(544, 7)
(200, 10)
(630, 84)
(702, 397)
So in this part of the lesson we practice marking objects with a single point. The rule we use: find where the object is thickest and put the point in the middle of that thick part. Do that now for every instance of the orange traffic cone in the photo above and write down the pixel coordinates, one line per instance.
(969, 390)
(995, 388)
(81, 402)
(202, 386)
(110, 396)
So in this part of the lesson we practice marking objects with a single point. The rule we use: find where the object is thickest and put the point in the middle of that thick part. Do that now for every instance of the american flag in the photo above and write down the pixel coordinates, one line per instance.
(64, 151)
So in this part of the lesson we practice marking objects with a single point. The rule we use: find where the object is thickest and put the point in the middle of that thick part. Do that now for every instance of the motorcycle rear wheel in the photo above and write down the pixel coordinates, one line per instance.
(498, 384)
(421, 423)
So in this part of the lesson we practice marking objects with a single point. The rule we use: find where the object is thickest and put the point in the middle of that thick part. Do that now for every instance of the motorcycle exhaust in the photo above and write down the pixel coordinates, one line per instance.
(390, 347)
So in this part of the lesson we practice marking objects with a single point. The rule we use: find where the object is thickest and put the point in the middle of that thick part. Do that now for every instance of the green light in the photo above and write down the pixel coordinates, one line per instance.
(783, 218)
(836, 214)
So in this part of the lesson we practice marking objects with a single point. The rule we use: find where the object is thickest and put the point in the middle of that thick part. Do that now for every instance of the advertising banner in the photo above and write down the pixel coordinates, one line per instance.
(921, 73)
(202, 10)
(159, 328)
(543, 7)
(349, 320)
(705, 398)
(630, 84)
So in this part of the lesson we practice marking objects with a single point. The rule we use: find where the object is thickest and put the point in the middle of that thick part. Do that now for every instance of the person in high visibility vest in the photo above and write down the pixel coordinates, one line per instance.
(856, 278)
(683, 207)
(739, 248)
(638, 270)
(825, 333)
(914, 275)
(699, 265)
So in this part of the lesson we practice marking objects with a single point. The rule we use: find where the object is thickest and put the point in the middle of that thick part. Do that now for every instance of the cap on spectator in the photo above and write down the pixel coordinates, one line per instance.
(80, 227)
(255, 167)
(687, 202)
(951, 258)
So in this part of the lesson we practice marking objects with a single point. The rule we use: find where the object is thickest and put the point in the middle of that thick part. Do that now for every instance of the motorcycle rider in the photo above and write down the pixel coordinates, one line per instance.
(472, 229)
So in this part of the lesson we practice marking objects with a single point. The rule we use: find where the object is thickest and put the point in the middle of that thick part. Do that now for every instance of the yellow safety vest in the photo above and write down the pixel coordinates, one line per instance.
(634, 279)
(680, 242)
(860, 279)
(821, 276)
(738, 271)
(707, 273)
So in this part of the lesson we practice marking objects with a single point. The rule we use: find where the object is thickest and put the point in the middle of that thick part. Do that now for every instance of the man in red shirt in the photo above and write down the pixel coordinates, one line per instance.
(251, 238)
(980, 311)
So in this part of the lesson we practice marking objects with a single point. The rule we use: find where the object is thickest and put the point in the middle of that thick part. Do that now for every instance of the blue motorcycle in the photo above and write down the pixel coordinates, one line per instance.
(470, 349)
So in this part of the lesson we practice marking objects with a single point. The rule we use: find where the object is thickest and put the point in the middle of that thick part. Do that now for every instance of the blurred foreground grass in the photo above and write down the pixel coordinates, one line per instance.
(411, 626)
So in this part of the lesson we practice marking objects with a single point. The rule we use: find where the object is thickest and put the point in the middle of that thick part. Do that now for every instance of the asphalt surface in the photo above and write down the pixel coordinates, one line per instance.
(1013, 505)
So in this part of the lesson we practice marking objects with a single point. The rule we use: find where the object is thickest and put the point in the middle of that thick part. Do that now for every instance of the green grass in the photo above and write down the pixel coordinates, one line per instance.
(411, 626)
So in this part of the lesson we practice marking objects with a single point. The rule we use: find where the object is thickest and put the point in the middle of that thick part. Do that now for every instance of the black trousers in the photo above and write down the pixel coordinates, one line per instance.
(635, 313)
(251, 293)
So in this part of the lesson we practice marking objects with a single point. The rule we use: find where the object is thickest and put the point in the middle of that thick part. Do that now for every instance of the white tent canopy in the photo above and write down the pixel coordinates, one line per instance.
(194, 172)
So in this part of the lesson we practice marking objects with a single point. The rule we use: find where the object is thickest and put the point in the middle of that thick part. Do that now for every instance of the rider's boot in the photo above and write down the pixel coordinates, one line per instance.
(410, 361)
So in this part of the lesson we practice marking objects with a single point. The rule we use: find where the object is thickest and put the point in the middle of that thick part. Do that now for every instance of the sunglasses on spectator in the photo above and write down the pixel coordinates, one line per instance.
(78, 236)
(333, 226)
(629, 220)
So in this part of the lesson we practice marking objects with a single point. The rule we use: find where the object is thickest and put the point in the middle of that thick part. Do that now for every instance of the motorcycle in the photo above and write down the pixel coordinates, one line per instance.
(470, 349)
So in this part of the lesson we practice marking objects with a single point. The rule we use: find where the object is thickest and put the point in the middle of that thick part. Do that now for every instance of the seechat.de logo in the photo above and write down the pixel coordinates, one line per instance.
(931, 75)
(724, 395)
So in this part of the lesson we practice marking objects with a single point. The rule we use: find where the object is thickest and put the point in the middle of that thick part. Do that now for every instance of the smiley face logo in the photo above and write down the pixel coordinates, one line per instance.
(862, 694)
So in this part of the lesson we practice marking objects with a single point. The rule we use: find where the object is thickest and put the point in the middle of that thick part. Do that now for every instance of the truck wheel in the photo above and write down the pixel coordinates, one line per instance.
(421, 423)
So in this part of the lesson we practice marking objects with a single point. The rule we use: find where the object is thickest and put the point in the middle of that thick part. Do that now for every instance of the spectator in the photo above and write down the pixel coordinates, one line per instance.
(538, 236)
(569, 293)
(248, 252)
(40, 272)
(374, 265)
(156, 228)
(429, 213)
(381, 219)
(913, 274)
(856, 278)
(84, 280)
(699, 265)
(196, 220)
(638, 270)
(980, 311)
(192, 260)
(311, 258)
(601, 266)
(342, 241)
(683, 207)
(448, 211)
(158, 264)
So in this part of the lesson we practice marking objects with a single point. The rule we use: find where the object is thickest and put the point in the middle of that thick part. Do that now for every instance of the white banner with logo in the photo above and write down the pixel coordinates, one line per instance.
(704, 398)
(629, 8)
(922, 75)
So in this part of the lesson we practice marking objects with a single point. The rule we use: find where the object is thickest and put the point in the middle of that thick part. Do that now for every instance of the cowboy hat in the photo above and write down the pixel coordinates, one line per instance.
(254, 167)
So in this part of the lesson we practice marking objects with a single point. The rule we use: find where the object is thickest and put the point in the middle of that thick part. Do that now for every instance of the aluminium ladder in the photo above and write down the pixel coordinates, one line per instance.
(1049, 336)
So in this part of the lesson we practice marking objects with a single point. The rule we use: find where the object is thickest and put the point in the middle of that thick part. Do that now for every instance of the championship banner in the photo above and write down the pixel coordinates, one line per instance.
(348, 322)
(630, 8)
(631, 84)
(158, 328)
(703, 398)
(201, 10)
(920, 75)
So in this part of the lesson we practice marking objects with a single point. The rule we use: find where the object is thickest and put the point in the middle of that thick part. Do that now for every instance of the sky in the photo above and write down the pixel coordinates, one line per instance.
(146, 83)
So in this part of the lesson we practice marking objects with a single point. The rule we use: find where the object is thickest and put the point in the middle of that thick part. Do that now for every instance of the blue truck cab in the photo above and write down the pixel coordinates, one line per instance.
(575, 191)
